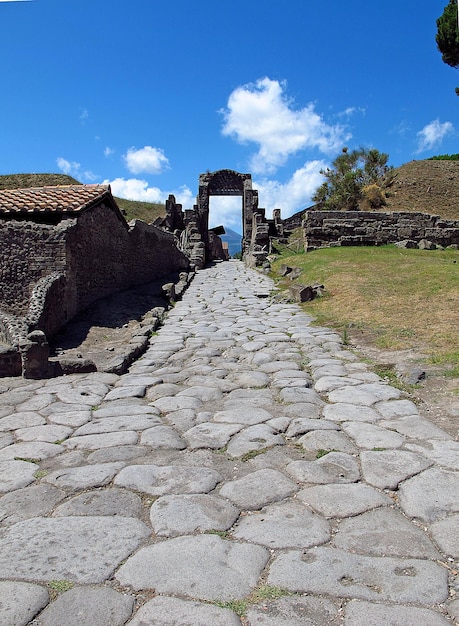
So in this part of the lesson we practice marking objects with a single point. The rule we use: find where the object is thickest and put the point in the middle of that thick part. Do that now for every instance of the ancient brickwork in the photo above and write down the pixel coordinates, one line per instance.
(353, 228)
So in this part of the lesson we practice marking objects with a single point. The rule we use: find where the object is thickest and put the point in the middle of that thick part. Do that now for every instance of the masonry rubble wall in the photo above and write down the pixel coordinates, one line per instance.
(353, 228)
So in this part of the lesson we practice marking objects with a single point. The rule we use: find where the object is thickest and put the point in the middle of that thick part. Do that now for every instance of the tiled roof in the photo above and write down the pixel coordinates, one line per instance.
(61, 199)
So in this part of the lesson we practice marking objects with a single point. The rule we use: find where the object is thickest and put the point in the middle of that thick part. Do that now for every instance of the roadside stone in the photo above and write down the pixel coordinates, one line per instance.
(415, 427)
(283, 525)
(384, 532)
(80, 549)
(337, 573)
(396, 408)
(204, 567)
(430, 496)
(165, 611)
(444, 453)
(32, 501)
(183, 515)
(334, 467)
(110, 501)
(20, 602)
(358, 612)
(369, 436)
(172, 479)
(343, 500)
(294, 611)
(385, 469)
(88, 606)
(258, 489)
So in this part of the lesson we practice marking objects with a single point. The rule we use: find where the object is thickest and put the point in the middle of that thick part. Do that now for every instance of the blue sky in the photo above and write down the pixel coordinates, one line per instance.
(148, 94)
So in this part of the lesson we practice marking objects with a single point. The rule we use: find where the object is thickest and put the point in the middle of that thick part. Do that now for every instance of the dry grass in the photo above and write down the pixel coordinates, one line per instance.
(403, 298)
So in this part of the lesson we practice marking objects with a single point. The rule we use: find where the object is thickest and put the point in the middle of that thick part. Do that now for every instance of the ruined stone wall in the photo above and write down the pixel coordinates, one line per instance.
(28, 253)
(353, 228)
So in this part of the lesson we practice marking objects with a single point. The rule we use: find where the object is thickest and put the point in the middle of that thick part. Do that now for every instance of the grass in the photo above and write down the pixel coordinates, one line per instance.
(145, 211)
(402, 298)
(60, 585)
(261, 594)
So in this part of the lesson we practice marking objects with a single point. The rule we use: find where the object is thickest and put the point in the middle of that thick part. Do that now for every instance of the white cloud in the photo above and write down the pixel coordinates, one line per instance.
(108, 152)
(137, 189)
(147, 159)
(226, 211)
(432, 135)
(84, 114)
(72, 168)
(261, 113)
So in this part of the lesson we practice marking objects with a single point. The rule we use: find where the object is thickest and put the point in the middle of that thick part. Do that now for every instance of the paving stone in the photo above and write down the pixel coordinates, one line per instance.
(121, 409)
(20, 602)
(209, 435)
(135, 391)
(384, 532)
(249, 379)
(50, 433)
(6, 439)
(445, 533)
(329, 383)
(302, 410)
(430, 496)
(385, 469)
(32, 501)
(205, 567)
(343, 412)
(117, 453)
(271, 366)
(343, 500)
(334, 467)
(95, 475)
(175, 403)
(16, 474)
(415, 427)
(162, 437)
(453, 608)
(104, 440)
(72, 419)
(327, 440)
(353, 395)
(25, 419)
(165, 611)
(369, 436)
(34, 450)
(258, 489)
(172, 479)
(359, 612)
(182, 420)
(80, 549)
(244, 414)
(118, 423)
(297, 395)
(253, 439)
(396, 408)
(110, 501)
(88, 606)
(205, 394)
(91, 394)
(36, 403)
(337, 573)
(302, 425)
(283, 525)
(444, 453)
(294, 611)
(186, 514)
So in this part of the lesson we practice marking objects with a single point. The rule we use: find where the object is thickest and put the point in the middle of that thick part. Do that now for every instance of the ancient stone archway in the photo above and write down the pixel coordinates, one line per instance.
(229, 183)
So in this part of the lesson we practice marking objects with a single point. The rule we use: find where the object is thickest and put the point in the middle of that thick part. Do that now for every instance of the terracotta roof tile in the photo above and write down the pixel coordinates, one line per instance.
(61, 199)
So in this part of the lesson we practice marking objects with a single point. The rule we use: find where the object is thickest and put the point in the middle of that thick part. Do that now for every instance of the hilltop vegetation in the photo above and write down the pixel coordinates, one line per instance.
(146, 211)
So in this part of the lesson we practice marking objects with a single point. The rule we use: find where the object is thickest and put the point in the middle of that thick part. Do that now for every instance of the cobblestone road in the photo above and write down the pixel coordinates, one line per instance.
(246, 464)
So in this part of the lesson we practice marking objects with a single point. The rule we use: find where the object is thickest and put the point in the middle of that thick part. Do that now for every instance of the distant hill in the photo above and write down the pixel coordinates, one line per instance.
(233, 239)
(146, 211)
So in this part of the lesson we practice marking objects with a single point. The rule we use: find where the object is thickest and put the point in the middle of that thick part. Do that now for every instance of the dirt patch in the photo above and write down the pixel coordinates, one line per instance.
(436, 395)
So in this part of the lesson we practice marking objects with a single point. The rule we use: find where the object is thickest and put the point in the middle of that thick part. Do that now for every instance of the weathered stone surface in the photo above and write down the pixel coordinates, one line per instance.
(186, 514)
(384, 532)
(343, 500)
(16, 474)
(80, 549)
(335, 572)
(432, 495)
(294, 611)
(258, 489)
(20, 602)
(387, 468)
(176, 403)
(210, 435)
(415, 427)
(334, 467)
(103, 440)
(28, 502)
(25, 419)
(254, 438)
(88, 606)
(111, 501)
(283, 525)
(158, 481)
(204, 567)
(369, 436)
(100, 425)
(445, 533)
(162, 437)
(165, 611)
(83, 477)
(246, 415)
(443, 453)
(327, 440)
(359, 612)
